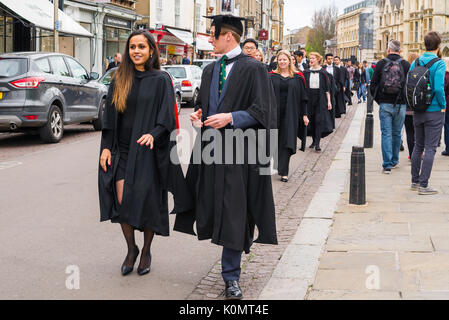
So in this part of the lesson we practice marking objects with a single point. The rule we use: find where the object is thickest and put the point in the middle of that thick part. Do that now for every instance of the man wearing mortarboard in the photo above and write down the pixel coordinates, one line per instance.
(232, 198)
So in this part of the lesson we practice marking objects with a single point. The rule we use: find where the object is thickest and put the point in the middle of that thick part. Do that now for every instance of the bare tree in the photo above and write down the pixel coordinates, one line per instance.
(323, 28)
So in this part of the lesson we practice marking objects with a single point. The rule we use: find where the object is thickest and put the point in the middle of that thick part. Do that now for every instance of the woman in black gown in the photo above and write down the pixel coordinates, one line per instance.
(291, 99)
(319, 106)
(135, 169)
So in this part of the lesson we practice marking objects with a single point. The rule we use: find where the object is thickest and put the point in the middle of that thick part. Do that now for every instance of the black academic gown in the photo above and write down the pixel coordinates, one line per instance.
(337, 85)
(149, 173)
(340, 97)
(232, 199)
(348, 95)
(292, 123)
(327, 116)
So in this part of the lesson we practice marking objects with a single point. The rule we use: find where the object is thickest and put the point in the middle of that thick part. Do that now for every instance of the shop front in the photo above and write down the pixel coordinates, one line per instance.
(203, 48)
(116, 32)
(173, 43)
(27, 25)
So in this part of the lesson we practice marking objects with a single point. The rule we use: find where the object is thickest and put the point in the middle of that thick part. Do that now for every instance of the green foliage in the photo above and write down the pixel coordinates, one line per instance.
(323, 28)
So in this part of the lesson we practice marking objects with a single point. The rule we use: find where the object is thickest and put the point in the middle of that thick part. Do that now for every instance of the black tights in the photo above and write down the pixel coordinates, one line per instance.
(148, 235)
(128, 232)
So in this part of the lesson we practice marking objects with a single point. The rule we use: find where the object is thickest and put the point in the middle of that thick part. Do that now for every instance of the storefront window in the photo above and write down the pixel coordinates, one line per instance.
(9, 39)
(2, 39)
(47, 40)
(115, 41)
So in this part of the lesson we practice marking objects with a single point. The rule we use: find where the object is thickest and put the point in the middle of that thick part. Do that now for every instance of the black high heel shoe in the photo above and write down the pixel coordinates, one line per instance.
(127, 270)
(146, 270)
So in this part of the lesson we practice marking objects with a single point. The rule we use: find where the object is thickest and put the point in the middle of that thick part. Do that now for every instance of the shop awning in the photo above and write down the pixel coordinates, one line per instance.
(184, 36)
(40, 13)
(202, 43)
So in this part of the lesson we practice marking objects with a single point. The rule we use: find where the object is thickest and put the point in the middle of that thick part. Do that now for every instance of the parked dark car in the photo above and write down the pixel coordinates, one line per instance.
(44, 91)
(107, 78)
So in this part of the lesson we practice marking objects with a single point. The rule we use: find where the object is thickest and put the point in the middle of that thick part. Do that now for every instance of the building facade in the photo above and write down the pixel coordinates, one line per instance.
(355, 31)
(408, 21)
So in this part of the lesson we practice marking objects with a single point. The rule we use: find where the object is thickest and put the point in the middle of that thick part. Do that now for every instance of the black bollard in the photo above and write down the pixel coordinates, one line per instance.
(370, 101)
(357, 192)
(369, 131)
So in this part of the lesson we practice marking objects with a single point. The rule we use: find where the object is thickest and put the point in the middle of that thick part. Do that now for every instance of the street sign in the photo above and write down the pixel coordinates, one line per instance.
(263, 34)
(58, 25)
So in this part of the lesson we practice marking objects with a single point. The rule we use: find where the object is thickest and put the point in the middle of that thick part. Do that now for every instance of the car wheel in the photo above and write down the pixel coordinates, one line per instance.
(178, 102)
(194, 100)
(98, 122)
(54, 129)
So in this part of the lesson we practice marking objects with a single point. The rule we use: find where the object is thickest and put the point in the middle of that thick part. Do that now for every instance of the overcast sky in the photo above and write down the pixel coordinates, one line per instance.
(298, 13)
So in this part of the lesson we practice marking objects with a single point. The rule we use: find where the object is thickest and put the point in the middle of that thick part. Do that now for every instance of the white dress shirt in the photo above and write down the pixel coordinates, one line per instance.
(232, 54)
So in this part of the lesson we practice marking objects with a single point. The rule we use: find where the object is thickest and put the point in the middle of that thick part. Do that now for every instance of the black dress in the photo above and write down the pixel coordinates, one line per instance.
(148, 173)
(292, 107)
(284, 153)
(321, 119)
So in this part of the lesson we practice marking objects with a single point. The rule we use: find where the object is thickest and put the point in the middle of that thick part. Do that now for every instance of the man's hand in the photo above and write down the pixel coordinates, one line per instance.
(195, 117)
(218, 121)
(306, 120)
(443, 110)
(329, 106)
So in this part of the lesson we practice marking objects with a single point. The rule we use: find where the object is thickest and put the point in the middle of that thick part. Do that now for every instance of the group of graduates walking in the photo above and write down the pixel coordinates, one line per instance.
(227, 201)
(307, 102)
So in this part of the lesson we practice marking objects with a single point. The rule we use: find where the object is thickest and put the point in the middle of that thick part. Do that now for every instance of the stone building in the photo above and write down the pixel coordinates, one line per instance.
(355, 31)
(408, 21)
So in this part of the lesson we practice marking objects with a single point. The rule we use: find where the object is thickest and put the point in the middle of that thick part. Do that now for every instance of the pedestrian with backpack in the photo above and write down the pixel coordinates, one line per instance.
(425, 96)
(387, 88)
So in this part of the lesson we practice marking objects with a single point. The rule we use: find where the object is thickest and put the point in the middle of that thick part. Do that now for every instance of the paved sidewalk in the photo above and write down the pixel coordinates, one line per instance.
(291, 201)
(396, 246)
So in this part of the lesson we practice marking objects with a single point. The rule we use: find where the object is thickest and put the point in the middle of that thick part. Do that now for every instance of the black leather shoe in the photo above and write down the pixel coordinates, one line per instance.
(445, 153)
(317, 148)
(312, 145)
(233, 291)
(146, 270)
(284, 179)
(127, 270)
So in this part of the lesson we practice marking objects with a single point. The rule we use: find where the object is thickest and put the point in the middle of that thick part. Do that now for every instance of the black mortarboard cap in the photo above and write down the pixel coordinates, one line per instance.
(228, 21)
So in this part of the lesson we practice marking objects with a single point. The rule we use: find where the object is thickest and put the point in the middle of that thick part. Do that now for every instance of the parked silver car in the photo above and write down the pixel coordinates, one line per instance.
(107, 78)
(190, 77)
(44, 91)
(202, 63)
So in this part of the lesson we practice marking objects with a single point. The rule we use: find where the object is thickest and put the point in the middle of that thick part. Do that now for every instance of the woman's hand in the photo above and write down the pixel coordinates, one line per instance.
(329, 106)
(146, 139)
(306, 120)
(105, 158)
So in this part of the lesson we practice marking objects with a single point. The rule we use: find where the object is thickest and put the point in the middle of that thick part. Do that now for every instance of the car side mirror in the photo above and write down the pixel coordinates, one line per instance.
(94, 76)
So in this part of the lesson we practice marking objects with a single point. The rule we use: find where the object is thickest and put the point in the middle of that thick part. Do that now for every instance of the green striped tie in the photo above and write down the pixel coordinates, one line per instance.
(222, 73)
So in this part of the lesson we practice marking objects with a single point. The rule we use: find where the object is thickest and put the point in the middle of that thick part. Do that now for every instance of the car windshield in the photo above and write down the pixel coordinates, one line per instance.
(177, 72)
(107, 78)
(202, 64)
(12, 67)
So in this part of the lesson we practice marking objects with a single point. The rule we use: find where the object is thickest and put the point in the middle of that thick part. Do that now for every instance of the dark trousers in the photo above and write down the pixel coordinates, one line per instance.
(316, 135)
(284, 161)
(446, 131)
(410, 132)
(230, 264)
(428, 126)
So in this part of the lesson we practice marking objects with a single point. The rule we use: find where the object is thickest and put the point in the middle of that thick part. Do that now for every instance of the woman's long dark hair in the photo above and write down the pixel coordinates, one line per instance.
(123, 78)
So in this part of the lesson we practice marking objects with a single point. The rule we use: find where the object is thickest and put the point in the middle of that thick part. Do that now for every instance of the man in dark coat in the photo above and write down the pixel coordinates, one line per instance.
(336, 75)
(116, 62)
(340, 97)
(231, 199)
